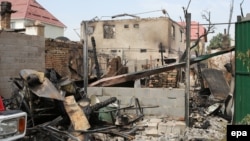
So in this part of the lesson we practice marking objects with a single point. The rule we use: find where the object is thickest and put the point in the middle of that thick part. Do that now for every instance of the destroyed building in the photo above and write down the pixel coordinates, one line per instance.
(137, 113)
(140, 42)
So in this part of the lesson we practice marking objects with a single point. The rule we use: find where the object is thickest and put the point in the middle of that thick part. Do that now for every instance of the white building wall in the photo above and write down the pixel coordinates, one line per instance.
(53, 31)
(17, 24)
(50, 31)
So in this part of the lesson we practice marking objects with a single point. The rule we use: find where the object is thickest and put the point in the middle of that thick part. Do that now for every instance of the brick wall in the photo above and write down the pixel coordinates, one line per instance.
(64, 57)
(18, 51)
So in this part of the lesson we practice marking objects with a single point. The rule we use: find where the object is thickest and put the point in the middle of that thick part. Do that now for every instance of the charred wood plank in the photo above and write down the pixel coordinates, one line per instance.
(110, 81)
(76, 114)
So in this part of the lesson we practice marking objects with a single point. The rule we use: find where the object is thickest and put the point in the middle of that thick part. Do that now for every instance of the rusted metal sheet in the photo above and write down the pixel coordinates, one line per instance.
(136, 75)
(217, 83)
(45, 88)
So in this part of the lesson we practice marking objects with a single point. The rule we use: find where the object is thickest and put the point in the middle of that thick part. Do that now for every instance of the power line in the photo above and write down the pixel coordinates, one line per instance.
(215, 23)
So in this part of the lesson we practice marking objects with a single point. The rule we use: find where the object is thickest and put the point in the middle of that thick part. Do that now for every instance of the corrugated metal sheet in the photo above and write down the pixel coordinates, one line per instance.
(242, 87)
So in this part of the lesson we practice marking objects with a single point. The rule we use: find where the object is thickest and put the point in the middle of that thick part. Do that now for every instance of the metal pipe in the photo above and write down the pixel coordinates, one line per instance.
(188, 26)
(98, 74)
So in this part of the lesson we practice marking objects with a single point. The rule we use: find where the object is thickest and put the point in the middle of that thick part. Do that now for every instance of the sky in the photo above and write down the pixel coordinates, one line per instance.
(73, 12)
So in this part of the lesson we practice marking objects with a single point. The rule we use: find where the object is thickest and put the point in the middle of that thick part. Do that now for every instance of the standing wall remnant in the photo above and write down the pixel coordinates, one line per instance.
(17, 52)
(65, 57)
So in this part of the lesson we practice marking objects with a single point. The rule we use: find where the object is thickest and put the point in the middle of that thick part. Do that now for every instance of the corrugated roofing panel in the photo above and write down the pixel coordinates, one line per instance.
(242, 79)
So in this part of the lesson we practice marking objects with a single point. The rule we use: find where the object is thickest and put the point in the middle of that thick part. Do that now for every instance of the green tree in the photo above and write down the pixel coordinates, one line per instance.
(215, 42)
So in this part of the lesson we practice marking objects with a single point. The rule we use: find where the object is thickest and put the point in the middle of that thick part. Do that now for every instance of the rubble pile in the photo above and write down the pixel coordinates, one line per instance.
(216, 131)
(207, 123)
(60, 110)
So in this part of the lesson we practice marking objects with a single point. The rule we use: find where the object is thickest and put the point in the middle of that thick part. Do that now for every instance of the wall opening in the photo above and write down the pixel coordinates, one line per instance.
(143, 50)
(109, 31)
(181, 32)
(136, 25)
(173, 31)
(126, 26)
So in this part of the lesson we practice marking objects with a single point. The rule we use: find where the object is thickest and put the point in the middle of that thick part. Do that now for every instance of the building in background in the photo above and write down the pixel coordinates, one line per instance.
(197, 30)
(29, 13)
(142, 43)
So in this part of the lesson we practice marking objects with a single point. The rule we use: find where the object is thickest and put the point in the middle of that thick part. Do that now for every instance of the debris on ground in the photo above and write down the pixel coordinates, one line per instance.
(58, 109)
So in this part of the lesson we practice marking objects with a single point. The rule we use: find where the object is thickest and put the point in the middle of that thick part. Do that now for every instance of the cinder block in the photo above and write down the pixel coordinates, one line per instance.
(156, 91)
(166, 102)
(178, 112)
(180, 102)
(176, 93)
(152, 132)
(109, 91)
(172, 131)
(94, 91)
(147, 101)
(126, 92)
(141, 92)
(152, 125)
(126, 100)
(162, 127)
(156, 111)
(181, 125)
(155, 120)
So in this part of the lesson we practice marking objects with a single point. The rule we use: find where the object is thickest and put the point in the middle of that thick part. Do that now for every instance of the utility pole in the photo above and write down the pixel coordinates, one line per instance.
(85, 58)
(187, 89)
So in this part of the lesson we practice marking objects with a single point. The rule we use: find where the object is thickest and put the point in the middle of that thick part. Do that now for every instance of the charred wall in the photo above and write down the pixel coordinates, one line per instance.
(65, 57)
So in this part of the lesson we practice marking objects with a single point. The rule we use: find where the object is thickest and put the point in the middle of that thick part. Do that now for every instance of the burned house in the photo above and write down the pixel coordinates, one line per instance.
(141, 43)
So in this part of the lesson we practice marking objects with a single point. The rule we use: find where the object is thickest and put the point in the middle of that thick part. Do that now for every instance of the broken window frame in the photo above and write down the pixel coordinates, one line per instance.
(113, 51)
(108, 31)
(126, 26)
(143, 50)
(136, 25)
(181, 32)
(173, 32)
(91, 29)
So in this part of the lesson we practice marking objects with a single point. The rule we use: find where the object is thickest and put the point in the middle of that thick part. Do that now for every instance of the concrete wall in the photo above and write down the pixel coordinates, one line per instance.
(19, 51)
(171, 101)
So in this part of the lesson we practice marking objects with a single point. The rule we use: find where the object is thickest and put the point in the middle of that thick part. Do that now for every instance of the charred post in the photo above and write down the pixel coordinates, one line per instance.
(6, 14)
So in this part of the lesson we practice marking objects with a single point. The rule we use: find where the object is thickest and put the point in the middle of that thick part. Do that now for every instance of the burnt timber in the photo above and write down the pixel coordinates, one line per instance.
(105, 82)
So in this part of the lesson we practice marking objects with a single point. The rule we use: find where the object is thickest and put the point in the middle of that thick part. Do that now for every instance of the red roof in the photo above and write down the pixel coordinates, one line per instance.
(31, 9)
(196, 29)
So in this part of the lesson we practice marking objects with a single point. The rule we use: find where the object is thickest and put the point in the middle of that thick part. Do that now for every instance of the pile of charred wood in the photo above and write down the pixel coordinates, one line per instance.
(58, 109)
